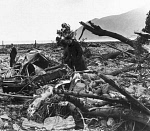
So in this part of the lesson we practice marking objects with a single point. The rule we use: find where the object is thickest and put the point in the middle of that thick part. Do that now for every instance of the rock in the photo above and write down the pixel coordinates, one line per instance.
(79, 87)
(110, 121)
(98, 91)
(103, 123)
(130, 90)
(16, 127)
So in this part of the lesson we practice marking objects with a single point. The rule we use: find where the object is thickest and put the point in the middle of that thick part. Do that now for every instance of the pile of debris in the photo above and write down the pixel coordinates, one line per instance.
(40, 94)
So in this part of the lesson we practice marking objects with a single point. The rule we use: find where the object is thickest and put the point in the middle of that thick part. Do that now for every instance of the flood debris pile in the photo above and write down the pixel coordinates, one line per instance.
(41, 94)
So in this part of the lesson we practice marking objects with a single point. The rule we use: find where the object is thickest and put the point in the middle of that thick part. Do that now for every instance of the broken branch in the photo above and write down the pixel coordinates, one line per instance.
(100, 32)
(124, 92)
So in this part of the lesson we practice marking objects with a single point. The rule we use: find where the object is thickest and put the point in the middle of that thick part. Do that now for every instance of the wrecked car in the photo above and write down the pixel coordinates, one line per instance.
(31, 70)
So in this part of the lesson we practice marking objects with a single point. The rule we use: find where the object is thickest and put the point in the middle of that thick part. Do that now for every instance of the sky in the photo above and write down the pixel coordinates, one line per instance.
(30, 20)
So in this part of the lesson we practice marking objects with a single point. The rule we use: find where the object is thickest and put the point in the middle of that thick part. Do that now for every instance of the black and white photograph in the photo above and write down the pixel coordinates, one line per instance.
(74, 65)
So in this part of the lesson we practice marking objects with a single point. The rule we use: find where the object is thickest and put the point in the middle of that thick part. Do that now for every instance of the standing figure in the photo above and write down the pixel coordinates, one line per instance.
(73, 55)
(13, 54)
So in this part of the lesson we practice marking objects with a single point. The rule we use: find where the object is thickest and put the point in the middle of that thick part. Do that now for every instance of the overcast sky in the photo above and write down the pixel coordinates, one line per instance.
(25, 20)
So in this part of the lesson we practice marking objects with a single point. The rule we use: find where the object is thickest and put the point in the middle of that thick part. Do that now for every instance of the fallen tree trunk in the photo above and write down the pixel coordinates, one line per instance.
(97, 30)
(125, 113)
(83, 95)
(121, 113)
(125, 69)
(128, 52)
(112, 55)
(116, 112)
(125, 93)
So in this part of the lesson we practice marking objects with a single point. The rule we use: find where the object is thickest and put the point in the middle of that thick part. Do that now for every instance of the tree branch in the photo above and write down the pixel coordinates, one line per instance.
(97, 30)
(124, 92)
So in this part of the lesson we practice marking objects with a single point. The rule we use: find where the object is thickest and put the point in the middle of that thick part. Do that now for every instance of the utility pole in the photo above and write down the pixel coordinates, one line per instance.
(3, 46)
(35, 44)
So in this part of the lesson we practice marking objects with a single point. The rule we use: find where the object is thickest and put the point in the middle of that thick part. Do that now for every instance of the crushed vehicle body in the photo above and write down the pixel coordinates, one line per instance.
(31, 71)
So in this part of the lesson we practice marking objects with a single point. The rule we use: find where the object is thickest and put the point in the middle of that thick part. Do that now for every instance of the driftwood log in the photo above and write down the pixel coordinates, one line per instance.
(125, 93)
(121, 113)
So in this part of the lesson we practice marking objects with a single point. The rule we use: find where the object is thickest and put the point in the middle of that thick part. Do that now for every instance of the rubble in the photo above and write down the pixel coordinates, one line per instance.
(41, 93)
(56, 92)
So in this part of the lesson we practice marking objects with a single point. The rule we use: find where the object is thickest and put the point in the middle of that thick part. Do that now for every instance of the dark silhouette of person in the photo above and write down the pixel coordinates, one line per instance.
(13, 54)
(73, 54)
